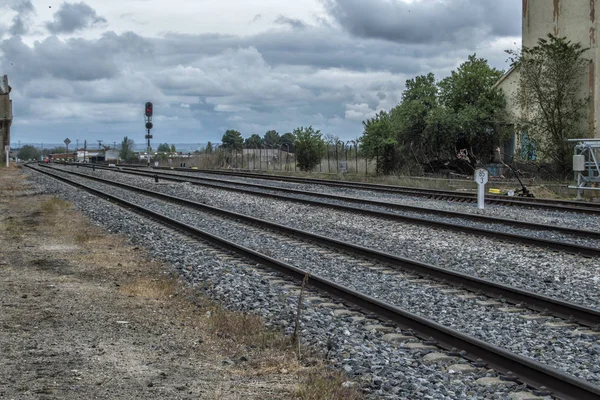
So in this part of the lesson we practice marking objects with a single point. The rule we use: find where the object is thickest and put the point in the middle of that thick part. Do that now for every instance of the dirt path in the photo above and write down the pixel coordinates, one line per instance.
(84, 316)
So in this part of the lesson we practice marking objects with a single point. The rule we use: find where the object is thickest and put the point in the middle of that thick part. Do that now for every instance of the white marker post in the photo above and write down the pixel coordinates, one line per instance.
(481, 178)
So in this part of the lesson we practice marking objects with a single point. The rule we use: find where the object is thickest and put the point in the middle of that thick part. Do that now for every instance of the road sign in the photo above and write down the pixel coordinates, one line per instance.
(67, 141)
(481, 178)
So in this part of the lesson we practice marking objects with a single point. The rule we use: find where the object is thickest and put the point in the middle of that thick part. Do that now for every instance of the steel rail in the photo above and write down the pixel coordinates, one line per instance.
(562, 205)
(452, 214)
(588, 251)
(529, 371)
(584, 315)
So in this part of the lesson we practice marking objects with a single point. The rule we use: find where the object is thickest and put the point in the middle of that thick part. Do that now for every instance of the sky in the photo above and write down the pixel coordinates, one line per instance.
(84, 70)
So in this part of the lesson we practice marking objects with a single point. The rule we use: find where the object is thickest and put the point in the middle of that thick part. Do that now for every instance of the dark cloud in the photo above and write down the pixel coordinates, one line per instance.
(74, 60)
(71, 17)
(427, 21)
(21, 21)
(203, 84)
(293, 22)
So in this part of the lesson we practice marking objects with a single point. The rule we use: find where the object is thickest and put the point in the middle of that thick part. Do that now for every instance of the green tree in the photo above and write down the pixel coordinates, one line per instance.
(288, 139)
(409, 118)
(164, 148)
(58, 150)
(254, 142)
(308, 144)
(28, 152)
(479, 108)
(173, 149)
(550, 93)
(272, 138)
(209, 148)
(379, 142)
(232, 140)
(126, 150)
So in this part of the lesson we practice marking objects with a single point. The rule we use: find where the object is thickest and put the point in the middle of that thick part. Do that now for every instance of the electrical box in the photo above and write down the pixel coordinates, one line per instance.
(579, 163)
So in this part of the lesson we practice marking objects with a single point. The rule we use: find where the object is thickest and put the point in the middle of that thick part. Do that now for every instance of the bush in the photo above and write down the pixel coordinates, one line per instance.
(308, 144)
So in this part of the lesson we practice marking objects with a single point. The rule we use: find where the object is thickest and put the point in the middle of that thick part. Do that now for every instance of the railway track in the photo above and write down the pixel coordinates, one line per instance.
(293, 195)
(533, 373)
(583, 315)
(435, 194)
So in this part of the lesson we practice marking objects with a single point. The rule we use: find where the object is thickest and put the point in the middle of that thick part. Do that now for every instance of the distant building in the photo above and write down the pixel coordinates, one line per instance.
(87, 155)
(111, 155)
(6, 116)
(578, 21)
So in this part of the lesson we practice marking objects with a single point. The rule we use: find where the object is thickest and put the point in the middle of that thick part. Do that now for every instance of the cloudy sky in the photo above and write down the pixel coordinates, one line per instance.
(84, 70)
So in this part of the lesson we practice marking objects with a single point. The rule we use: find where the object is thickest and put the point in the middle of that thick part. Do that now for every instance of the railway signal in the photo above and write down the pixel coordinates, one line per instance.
(148, 111)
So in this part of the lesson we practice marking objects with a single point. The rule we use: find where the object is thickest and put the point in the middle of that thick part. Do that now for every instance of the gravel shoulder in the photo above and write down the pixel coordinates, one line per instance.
(85, 315)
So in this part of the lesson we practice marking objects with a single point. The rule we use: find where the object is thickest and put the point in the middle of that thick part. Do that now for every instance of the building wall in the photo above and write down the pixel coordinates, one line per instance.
(578, 21)
(5, 117)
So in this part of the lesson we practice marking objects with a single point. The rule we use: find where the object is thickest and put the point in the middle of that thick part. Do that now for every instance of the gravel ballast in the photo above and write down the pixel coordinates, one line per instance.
(529, 214)
(565, 276)
(573, 353)
(386, 370)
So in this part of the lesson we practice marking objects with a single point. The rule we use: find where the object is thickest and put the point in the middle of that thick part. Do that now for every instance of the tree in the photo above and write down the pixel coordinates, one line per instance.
(126, 150)
(254, 142)
(307, 144)
(58, 150)
(409, 118)
(479, 108)
(288, 139)
(554, 110)
(28, 152)
(164, 148)
(232, 140)
(272, 138)
(379, 141)
(173, 149)
(209, 148)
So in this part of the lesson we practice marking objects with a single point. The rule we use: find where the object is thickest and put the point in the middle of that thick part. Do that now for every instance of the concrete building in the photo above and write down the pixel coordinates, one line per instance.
(578, 21)
(5, 117)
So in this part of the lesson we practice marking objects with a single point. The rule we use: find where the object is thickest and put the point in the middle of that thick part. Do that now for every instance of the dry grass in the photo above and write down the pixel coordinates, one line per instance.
(322, 383)
(270, 353)
(544, 192)
(53, 206)
(158, 289)
(13, 228)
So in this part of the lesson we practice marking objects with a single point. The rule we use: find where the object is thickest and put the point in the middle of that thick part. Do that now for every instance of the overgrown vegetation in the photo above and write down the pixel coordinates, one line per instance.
(308, 146)
(554, 108)
(458, 120)
(28, 152)
(126, 151)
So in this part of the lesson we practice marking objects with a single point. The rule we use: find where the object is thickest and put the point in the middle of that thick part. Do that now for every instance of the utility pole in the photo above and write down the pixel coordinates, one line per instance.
(99, 144)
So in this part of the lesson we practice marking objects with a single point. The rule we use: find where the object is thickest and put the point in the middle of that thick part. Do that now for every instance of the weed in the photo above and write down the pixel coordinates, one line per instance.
(322, 383)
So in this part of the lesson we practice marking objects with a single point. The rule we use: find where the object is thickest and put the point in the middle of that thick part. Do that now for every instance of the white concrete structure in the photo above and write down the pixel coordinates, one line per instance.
(578, 21)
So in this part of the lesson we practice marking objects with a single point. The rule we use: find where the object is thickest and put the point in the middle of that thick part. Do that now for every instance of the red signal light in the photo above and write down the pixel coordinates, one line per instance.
(149, 109)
